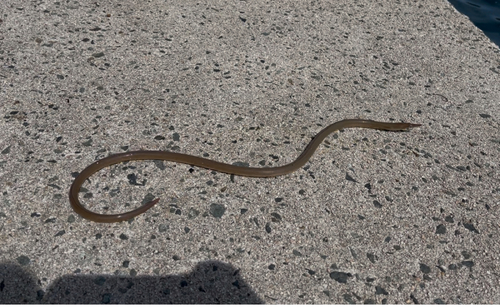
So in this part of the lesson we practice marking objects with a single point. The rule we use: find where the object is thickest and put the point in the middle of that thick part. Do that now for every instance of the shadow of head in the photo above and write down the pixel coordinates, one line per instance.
(210, 282)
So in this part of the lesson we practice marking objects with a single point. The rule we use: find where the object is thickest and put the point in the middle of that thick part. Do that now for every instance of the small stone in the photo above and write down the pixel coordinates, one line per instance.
(468, 264)
(471, 228)
(424, 268)
(268, 228)
(23, 260)
(380, 290)
(452, 266)
(441, 229)
(276, 217)
(340, 277)
(217, 210)
(123, 237)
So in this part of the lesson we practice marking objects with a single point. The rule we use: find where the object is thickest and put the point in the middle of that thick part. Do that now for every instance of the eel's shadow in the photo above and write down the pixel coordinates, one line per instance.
(210, 282)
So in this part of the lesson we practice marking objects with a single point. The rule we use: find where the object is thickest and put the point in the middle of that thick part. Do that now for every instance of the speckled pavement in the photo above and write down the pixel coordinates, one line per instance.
(374, 217)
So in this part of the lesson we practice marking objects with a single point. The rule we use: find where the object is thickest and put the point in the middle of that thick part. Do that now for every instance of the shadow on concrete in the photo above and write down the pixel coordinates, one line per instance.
(211, 282)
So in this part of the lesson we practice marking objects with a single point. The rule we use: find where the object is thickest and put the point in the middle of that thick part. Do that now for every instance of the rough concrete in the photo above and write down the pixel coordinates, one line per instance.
(375, 217)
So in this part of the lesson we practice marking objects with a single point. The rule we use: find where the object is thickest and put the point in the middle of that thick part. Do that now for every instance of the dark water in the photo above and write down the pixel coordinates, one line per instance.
(485, 14)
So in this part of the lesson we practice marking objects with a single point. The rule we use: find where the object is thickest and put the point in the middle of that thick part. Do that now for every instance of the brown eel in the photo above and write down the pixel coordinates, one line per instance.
(212, 165)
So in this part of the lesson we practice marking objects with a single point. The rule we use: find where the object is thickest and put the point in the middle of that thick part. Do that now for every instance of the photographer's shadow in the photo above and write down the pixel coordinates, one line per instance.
(210, 282)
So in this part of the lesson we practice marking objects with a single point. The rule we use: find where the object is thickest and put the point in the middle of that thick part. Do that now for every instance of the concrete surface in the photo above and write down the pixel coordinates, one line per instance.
(375, 217)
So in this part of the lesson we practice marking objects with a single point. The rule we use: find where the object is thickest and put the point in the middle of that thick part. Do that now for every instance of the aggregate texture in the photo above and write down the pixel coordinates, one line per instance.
(374, 217)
